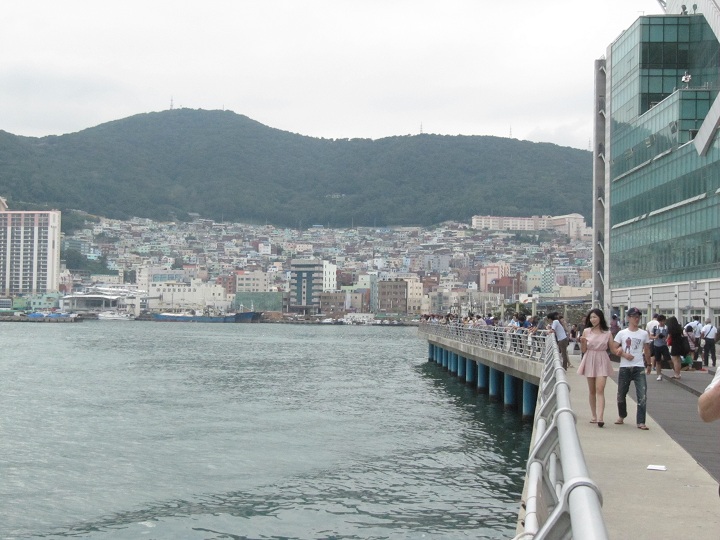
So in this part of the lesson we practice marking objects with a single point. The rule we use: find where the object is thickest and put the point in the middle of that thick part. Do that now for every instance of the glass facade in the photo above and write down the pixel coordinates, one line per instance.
(665, 197)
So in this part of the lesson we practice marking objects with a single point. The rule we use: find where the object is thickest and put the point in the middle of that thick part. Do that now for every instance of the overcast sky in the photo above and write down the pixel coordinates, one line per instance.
(323, 68)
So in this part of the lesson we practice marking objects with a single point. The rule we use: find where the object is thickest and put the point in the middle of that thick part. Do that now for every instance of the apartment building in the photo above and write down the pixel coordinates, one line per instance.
(29, 251)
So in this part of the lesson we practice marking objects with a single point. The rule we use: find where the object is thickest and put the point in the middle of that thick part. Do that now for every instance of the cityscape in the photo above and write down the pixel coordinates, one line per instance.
(354, 275)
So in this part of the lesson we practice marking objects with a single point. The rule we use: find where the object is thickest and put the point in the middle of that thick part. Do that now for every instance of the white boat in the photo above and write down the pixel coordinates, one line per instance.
(115, 316)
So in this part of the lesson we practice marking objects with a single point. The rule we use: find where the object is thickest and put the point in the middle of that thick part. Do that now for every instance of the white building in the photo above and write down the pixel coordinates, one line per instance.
(571, 225)
(181, 295)
(29, 251)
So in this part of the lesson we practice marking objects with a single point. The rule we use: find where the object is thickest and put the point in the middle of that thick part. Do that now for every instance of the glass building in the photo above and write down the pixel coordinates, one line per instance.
(656, 172)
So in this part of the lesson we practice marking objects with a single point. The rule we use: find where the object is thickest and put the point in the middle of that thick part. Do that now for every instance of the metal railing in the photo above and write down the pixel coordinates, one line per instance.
(515, 341)
(560, 500)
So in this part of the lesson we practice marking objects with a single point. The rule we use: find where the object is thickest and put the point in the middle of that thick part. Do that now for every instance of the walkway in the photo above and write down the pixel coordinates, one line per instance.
(680, 502)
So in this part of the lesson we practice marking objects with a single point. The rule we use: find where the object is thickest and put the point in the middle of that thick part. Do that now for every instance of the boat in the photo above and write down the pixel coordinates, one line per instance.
(115, 316)
(192, 316)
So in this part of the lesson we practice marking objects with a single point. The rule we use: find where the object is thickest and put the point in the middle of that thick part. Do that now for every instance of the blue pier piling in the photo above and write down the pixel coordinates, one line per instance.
(483, 378)
(529, 398)
(495, 384)
(454, 362)
(461, 363)
(445, 354)
(431, 352)
(470, 375)
(509, 396)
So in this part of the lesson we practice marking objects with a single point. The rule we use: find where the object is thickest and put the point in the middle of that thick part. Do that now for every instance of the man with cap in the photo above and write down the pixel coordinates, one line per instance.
(632, 346)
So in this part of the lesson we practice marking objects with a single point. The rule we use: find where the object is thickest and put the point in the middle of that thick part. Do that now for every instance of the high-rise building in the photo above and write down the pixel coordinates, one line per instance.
(656, 168)
(29, 251)
(309, 278)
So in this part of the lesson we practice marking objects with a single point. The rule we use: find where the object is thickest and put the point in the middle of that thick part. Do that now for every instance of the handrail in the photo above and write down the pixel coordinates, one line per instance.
(561, 500)
(511, 340)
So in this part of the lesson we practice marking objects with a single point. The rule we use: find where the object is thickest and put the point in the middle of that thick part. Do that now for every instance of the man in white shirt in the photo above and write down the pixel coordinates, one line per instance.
(696, 329)
(650, 329)
(632, 346)
(708, 333)
(561, 335)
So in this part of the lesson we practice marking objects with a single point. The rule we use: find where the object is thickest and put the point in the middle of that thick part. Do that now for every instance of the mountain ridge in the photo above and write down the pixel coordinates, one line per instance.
(226, 166)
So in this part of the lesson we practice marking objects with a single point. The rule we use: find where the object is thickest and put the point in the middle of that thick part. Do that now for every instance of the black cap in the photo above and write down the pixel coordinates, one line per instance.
(633, 312)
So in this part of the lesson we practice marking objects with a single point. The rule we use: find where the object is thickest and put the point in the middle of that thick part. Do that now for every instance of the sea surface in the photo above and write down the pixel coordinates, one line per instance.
(127, 430)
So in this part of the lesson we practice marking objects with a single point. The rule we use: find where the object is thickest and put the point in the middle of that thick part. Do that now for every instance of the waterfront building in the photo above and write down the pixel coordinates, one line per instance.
(29, 251)
(255, 281)
(309, 278)
(392, 296)
(191, 294)
(656, 165)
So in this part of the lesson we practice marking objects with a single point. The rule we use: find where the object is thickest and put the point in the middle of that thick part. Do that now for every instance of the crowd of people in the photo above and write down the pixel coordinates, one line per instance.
(663, 342)
(640, 350)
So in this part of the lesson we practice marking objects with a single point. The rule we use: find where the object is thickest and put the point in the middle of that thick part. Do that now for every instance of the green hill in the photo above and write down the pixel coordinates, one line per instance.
(226, 166)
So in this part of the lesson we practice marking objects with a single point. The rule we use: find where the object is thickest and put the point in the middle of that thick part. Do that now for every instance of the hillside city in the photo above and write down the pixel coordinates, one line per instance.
(398, 272)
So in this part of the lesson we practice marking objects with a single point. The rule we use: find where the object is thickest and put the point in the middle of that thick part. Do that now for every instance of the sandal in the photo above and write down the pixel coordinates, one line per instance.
(643, 427)
(619, 421)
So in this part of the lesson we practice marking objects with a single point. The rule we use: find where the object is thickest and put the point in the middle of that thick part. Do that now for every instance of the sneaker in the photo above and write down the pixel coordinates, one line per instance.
(659, 378)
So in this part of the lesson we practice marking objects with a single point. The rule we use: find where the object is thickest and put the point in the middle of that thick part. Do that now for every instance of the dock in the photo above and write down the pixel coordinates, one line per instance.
(16, 319)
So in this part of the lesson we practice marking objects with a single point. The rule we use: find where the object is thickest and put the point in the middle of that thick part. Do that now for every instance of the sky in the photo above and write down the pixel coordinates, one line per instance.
(322, 68)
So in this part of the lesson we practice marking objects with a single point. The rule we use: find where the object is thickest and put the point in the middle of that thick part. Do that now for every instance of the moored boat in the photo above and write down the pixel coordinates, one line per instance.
(191, 316)
(115, 316)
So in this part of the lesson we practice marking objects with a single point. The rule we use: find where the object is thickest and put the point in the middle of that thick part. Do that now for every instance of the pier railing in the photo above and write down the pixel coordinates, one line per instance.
(560, 500)
(518, 342)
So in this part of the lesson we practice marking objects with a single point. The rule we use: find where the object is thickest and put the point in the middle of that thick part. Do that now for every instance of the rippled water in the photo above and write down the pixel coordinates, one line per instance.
(149, 430)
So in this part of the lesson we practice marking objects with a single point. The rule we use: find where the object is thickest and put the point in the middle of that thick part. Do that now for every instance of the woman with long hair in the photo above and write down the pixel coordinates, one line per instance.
(595, 341)
(675, 341)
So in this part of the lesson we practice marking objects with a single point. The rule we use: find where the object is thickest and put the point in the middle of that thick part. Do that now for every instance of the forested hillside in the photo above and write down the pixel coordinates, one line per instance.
(226, 166)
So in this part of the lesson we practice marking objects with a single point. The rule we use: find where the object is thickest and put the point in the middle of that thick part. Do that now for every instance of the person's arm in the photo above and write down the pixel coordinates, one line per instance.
(583, 342)
(709, 404)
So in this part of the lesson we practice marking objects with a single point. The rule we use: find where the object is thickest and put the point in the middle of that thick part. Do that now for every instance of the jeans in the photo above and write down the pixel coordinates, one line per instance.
(709, 350)
(637, 375)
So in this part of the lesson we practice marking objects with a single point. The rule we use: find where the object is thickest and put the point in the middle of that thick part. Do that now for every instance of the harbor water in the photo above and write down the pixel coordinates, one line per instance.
(125, 430)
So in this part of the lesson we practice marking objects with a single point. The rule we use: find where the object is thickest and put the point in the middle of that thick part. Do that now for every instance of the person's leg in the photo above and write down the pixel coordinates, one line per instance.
(591, 398)
(658, 363)
(638, 376)
(563, 345)
(706, 351)
(711, 346)
(600, 398)
(676, 365)
(623, 387)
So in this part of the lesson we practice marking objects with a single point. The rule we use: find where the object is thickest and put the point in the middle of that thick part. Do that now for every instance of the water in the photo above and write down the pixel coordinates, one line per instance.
(125, 430)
